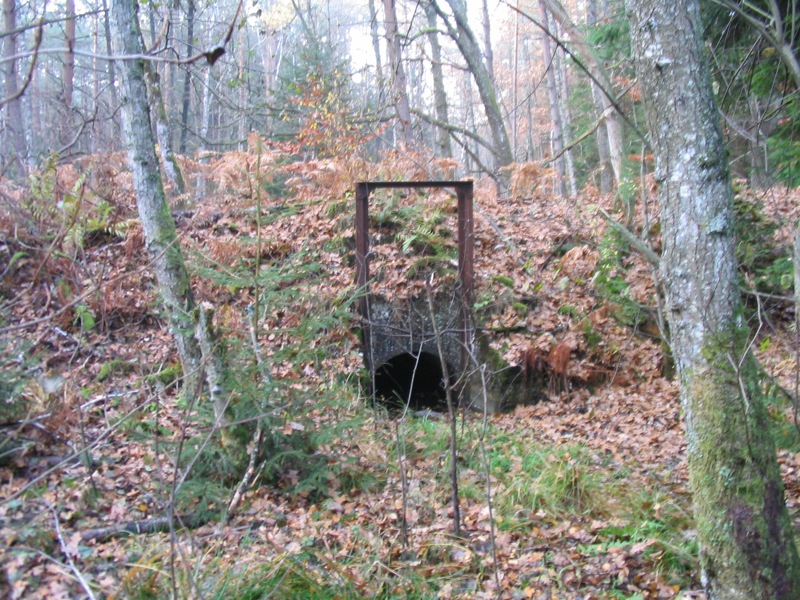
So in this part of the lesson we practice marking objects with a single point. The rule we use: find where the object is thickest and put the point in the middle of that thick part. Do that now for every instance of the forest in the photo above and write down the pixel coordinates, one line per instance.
(241, 358)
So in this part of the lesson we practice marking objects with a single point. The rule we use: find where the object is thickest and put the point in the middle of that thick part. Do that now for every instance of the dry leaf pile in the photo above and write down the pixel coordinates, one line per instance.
(90, 462)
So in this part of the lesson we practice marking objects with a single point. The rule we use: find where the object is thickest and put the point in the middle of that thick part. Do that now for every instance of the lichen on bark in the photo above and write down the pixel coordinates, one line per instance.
(747, 547)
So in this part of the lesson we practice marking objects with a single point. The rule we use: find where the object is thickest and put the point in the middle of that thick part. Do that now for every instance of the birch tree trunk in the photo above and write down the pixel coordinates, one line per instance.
(187, 81)
(611, 120)
(606, 184)
(443, 146)
(169, 160)
(556, 124)
(68, 70)
(747, 548)
(467, 44)
(159, 229)
(398, 74)
(13, 117)
(562, 93)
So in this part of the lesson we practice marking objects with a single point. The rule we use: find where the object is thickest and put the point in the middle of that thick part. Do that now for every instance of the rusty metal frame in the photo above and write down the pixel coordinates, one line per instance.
(466, 243)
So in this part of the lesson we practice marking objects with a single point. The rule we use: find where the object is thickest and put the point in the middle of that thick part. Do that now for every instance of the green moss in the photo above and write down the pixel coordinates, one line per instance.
(504, 280)
(168, 375)
(118, 365)
(590, 334)
(738, 494)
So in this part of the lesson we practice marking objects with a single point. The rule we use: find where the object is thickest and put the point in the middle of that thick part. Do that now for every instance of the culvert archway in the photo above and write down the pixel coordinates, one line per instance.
(399, 330)
(405, 333)
(415, 380)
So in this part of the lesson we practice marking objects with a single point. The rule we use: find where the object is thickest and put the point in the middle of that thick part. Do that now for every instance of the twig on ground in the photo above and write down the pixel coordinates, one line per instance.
(401, 464)
(451, 410)
(63, 545)
(143, 526)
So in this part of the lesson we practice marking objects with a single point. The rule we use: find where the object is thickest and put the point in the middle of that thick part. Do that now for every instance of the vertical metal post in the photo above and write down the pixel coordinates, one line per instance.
(466, 247)
(362, 264)
(466, 239)
(466, 242)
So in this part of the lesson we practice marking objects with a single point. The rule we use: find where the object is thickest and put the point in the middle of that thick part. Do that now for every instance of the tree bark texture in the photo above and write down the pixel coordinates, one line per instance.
(599, 98)
(13, 117)
(159, 228)
(399, 84)
(187, 77)
(611, 121)
(443, 147)
(468, 45)
(68, 70)
(376, 45)
(556, 123)
(747, 549)
(169, 160)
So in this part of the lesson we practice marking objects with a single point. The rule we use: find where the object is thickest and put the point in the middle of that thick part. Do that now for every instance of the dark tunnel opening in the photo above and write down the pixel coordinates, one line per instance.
(418, 381)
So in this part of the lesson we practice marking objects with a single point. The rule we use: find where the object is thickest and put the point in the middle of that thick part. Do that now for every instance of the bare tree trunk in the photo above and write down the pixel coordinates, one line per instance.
(487, 39)
(557, 127)
(469, 146)
(187, 81)
(468, 46)
(606, 184)
(747, 547)
(112, 73)
(611, 119)
(756, 144)
(68, 70)
(562, 93)
(35, 105)
(399, 85)
(97, 141)
(443, 147)
(241, 71)
(376, 45)
(14, 123)
(796, 263)
(202, 185)
(169, 160)
(271, 59)
(515, 90)
(159, 228)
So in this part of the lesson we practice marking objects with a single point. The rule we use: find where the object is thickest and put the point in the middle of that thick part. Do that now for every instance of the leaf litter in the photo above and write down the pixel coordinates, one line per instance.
(589, 490)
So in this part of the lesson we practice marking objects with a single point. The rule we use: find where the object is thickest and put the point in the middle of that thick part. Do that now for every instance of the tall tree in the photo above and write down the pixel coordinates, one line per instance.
(172, 168)
(159, 228)
(112, 71)
(558, 125)
(68, 70)
(13, 117)
(600, 99)
(376, 44)
(399, 84)
(443, 146)
(187, 78)
(467, 43)
(610, 120)
(747, 547)
(488, 53)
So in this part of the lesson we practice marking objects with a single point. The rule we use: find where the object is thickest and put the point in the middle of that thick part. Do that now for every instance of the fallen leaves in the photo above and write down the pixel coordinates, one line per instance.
(535, 296)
